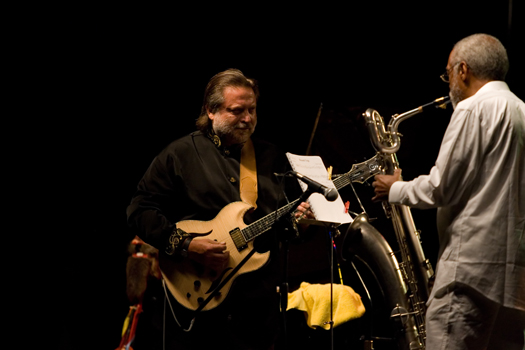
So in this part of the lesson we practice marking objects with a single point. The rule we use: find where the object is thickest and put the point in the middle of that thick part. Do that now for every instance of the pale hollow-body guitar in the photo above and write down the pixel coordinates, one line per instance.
(201, 289)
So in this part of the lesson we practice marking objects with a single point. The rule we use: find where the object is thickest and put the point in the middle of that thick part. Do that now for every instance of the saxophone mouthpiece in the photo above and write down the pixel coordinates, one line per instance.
(442, 102)
(438, 103)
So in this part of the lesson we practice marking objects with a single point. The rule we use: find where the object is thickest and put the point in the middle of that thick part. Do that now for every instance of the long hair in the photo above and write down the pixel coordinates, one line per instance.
(213, 95)
(484, 54)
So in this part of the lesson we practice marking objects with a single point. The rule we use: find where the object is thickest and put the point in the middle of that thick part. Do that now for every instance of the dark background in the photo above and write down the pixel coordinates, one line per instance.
(118, 84)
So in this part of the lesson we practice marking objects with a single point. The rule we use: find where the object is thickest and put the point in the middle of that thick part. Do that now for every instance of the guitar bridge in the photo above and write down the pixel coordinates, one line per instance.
(238, 239)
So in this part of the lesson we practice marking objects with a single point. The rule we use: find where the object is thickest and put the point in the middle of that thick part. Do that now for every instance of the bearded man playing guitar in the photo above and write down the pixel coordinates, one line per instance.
(194, 204)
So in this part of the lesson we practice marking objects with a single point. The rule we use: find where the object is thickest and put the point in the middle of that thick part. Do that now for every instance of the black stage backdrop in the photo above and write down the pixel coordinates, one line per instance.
(119, 84)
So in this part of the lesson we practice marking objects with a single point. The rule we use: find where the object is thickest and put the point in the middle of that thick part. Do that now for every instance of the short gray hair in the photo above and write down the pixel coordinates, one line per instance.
(484, 54)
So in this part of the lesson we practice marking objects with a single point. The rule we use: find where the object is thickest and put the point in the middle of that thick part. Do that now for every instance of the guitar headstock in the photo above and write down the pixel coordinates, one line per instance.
(361, 172)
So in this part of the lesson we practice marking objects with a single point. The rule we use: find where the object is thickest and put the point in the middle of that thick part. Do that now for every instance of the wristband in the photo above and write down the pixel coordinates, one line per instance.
(175, 241)
(185, 245)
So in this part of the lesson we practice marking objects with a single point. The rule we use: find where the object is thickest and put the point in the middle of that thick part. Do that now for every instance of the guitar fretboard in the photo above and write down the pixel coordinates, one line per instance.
(264, 224)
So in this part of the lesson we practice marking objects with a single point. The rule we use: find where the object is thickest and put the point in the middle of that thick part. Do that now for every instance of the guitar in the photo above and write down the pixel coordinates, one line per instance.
(200, 289)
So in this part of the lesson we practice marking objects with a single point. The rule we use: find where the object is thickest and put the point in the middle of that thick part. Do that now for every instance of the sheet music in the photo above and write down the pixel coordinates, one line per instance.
(314, 168)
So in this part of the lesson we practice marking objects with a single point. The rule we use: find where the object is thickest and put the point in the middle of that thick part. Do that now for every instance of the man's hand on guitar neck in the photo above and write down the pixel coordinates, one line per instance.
(304, 211)
(209, 253)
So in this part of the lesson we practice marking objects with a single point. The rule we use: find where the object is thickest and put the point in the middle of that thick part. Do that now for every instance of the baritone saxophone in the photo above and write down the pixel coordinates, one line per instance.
(407, 282)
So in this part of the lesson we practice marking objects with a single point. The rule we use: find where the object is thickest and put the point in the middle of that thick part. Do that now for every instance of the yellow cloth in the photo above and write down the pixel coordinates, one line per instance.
(314, 300)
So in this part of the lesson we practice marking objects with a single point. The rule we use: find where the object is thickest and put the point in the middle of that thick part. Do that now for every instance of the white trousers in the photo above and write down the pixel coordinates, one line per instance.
(462, 319)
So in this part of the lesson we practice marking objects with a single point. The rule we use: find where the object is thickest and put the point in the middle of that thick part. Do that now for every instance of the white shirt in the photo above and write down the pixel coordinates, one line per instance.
(478, 186)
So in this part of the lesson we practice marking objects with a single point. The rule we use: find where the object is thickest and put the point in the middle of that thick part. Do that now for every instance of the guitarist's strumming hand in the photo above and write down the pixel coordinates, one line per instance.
(209, 253)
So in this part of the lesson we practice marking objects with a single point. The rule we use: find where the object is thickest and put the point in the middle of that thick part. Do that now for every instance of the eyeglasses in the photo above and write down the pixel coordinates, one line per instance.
(445, 76)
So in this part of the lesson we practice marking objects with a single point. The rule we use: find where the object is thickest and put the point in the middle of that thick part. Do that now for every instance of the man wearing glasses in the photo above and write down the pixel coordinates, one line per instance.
(478, 186)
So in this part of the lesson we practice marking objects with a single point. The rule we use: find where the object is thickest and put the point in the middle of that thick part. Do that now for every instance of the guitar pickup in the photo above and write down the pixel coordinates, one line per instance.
(238, 239)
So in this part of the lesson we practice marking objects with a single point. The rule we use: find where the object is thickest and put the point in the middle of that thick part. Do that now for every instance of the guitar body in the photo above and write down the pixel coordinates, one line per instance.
(191, 284)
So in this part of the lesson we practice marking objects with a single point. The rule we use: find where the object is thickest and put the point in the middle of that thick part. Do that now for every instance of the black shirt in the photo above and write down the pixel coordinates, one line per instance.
(193, 178)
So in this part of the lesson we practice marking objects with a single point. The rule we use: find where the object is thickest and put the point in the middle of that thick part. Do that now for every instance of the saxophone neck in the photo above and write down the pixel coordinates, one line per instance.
(388, 140)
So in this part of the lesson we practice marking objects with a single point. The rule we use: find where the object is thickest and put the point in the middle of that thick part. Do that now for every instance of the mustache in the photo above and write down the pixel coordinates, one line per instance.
(244, 125)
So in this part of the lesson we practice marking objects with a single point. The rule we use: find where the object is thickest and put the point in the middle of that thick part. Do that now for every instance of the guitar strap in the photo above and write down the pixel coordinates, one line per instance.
(248, 174)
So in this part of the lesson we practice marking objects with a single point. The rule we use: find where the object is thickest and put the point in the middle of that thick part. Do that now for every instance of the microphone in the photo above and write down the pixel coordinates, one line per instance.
(330, 194)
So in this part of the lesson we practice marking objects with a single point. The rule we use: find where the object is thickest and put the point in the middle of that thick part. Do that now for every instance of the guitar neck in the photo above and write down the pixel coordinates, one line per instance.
(359, 173)
(264, 224)
(344, 180)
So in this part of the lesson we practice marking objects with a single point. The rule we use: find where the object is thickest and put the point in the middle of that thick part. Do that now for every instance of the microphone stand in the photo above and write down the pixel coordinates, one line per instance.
(284, 222)
(331, 322)
(284, 290)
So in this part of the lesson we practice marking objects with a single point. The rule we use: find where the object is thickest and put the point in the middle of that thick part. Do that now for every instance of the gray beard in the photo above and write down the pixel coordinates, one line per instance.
(453, 100)
(228, 134)
(456, 95)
